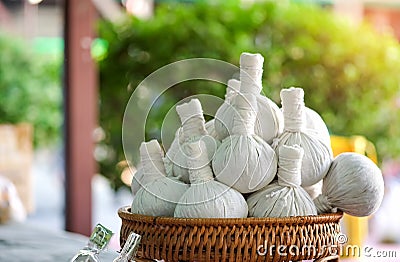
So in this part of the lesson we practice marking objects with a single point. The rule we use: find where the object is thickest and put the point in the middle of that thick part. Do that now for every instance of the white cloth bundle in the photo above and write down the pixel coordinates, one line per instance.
(155, 194)
(317, 154)
(179, 139)
(157, 197)
(193, 129)
(207, 198)
(354, 184)
(286, 197)
(152, 165)
(314, 190)
(245, 161)
(269, 123)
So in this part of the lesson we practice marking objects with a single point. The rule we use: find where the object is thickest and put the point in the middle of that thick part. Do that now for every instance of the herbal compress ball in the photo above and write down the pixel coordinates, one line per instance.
(244, 160)
(207, 198)
(285, 197)
(354, 184)
(317, 154)
(193, 129)
(159, 196)
(269, 122)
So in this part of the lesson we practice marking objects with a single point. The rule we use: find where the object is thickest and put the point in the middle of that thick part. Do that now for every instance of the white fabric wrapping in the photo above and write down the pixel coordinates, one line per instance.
(285, 197)
(159, 197)
(224, 114)
(210, 129)
(172, 151)
(354, 184)
(179, 139)
(207, 198)
(314, 190)
(315, 125)
(269, 123)
(189, 110)
(311, 121)
(245, 119)
(232, 89)
(289, 165)
(151, 165)
(251, 70)
(193, 129)
(317, 155)
(245, 161)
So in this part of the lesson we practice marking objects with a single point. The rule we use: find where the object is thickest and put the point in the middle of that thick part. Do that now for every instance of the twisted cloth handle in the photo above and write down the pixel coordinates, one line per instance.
(245, 115)
(192, 119)
(151, 157)
(323, 205)
(251, 70)
(293, 109)
(289, 165)
(198, 162)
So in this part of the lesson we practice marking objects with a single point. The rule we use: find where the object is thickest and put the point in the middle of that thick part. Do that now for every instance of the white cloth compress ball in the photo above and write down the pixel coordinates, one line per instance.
(317, 154)
(354, 184)
(193, 129)
(207, 198)
(158, 197)
(245, 161)
(285, 197)
(151, 165)
(269, 123)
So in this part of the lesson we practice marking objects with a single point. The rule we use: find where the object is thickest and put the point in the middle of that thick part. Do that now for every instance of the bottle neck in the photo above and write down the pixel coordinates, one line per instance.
(131, 246)
(93, 248)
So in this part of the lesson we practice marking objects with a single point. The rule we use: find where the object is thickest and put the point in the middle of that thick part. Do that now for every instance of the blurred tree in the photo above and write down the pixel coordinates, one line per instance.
(30, 90)
(349, 73)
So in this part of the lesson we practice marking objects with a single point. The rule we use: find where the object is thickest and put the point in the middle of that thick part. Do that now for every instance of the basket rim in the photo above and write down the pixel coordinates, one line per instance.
(125, 214)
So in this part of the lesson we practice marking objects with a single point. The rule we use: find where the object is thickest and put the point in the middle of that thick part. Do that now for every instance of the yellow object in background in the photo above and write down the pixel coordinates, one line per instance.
(357, 144)
(356, 227)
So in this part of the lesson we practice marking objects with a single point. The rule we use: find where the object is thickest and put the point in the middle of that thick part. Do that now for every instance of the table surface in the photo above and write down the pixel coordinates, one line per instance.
(24, 242)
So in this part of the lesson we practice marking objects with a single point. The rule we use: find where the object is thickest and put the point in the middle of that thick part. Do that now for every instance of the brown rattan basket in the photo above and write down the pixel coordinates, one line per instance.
(241, 239)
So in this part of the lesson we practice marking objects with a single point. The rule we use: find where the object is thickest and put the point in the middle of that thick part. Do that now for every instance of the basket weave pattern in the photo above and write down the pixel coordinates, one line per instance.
(242, 239)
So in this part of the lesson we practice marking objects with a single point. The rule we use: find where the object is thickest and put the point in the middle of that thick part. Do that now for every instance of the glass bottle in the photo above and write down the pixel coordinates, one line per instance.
(128, 252)
(98, 240)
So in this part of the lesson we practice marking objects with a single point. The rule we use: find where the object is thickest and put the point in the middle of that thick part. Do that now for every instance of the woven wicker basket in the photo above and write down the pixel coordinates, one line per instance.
(242, 239)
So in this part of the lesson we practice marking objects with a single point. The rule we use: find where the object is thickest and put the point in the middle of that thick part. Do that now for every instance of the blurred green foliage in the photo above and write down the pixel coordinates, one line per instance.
(30, 89)
(350, 73)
